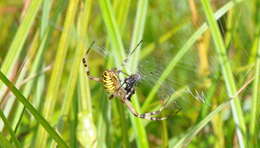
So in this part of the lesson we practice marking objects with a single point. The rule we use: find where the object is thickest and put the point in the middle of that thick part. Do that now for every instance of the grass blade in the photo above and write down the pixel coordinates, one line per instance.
(55, 80)
(20, 37)
(132, 67)
(4, 142)
(122, 9)
(32, 110)
(113, 31)
(181, 53)
(7, 124)
(185, 140)
(256, 93)
(80, 51)
(226, 72)
(85, 112)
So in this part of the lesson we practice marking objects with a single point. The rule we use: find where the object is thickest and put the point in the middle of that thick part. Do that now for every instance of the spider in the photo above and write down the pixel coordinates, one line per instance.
(123, 90)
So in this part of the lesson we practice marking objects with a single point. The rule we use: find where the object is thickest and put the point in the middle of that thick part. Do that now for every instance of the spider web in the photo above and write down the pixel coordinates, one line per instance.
(151, 69)
(184, 92)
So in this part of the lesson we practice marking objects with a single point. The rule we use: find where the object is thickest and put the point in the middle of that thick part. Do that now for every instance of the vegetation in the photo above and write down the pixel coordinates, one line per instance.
(201, 55)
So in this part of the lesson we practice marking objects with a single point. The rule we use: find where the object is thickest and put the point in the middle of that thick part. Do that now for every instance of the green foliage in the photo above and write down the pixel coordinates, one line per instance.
(46, 98)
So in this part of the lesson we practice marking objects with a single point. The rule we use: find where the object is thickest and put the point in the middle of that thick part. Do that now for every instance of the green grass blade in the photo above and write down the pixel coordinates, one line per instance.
(36, 61)
(85, 94)
(79, 109)
(4, 142)
(11, 101)
(44, 19)
(20, 37)
(165, 137)
(226, 72)
(162, 39)
(9, 107)
(256, 93)
(7, 124)
(186, 139)
(29, 85)
(181, 53)
(33, 111)
(122, 9)
(113, 32)
(57, 71)
(137, 36)
(80, 51)
(210, 94)
(74, 73)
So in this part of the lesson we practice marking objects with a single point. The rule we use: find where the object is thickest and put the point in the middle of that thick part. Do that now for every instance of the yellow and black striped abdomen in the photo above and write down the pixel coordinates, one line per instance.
(111, 81)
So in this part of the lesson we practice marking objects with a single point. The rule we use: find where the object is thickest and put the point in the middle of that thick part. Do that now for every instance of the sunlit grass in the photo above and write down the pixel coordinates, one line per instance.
(48, 100)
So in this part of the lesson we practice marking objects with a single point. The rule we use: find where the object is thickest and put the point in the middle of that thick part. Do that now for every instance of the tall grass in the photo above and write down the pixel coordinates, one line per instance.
(226, 71)
(47, 100)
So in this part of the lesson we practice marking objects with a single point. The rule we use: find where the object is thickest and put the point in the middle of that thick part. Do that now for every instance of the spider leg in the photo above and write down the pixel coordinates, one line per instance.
(120, 71)
(84, 61)
(145, 115)
(121, 85)
(179, 108)
(125, 61)
(149, 114)
(94, 78)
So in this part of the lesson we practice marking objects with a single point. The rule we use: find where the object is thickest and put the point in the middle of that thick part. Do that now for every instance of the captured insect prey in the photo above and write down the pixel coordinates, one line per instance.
(124, 88)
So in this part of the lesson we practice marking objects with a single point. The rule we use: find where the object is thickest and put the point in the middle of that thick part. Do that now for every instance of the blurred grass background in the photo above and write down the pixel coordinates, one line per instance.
(211, 47)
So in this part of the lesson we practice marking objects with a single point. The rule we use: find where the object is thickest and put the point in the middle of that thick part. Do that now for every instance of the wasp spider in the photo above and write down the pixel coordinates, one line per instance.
(122, 90)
